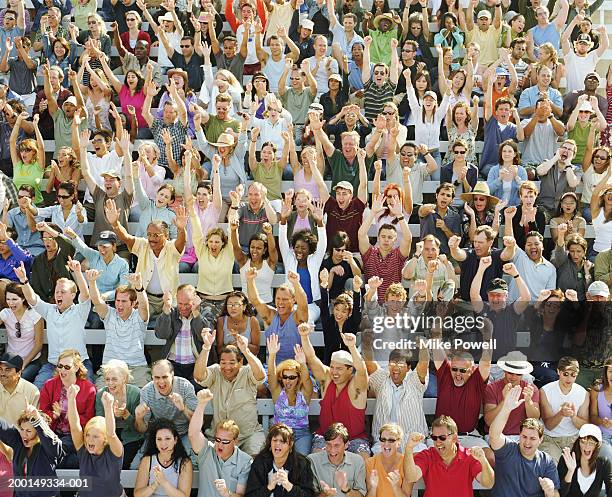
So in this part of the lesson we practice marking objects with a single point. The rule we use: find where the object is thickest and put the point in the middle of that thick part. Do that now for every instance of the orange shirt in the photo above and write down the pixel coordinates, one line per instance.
(384, 487)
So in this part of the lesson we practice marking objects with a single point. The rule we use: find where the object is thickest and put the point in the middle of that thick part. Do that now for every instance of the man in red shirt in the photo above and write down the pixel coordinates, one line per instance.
(447, 468)
(514, 365)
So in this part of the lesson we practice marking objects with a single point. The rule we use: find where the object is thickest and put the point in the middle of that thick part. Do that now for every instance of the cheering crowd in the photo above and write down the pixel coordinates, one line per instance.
(391, 225)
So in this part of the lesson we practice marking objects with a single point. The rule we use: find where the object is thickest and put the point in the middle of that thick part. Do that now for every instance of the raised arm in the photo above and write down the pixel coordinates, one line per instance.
(100, 306)
(76, 431)
(196, 437)
(114, 442)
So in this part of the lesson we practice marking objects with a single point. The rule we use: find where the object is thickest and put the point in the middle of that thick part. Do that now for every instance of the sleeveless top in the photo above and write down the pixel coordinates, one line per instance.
(604, 410)
(339, 409)
(273, 71)
(546, 34)
(296, 417)
(263, 282)
(227, 336)
(288, 337)
(171, 474)
(29, 174)
(299, 182)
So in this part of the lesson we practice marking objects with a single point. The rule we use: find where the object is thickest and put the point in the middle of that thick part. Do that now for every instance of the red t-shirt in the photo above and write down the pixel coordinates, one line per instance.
(389, 268)
(441, 480)
(493, 395)
(347, 220)
(463, 403)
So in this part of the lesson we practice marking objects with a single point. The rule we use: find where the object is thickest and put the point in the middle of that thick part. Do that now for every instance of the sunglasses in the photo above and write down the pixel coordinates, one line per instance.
(290, 377)
(185, 46)
(18, 329)
(10, 18)
(408, 50)
(130, 19)
(221, 441)
(460, 152)
(461, 370)
(379, 73)
(64, 196)
(601, 157)
(64, 366)
(389, 113)
(387, 440)
(568, 374)
(442, 438)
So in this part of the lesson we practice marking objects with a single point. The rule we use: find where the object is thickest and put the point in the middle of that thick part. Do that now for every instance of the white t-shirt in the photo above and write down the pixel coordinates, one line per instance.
(174, 40)
(577, 68)
(556, 397)
(251, 53)
(322, 75)
(98, 165)
(603, 233)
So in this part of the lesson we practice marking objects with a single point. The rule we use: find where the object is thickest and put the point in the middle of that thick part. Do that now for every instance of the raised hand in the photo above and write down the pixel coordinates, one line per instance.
(453, 242)
(510, 269)
(373, 479)
(73, 391)
(357, 283)
(111, 212)
(324, 278)
(293, 278)
(349, 339)
(570, 459)
(135, 280)
(513, 398)
(304, 329)
(92, 275)
(414, 439)
(142, 410)
(20, 272)
(177, 400)
(108, 400)
(394, 478)
(477, 453)
(204, 396)
(74, 265)
(298, 354)
(207, 338)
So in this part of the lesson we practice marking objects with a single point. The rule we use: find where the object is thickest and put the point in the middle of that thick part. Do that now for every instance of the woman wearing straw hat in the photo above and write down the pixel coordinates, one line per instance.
(231, 147)
(480, 208)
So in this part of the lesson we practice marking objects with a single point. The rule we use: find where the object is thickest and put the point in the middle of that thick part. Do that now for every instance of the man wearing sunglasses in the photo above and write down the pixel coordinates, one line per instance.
(521, 468)
(447, 468)
(224, 468)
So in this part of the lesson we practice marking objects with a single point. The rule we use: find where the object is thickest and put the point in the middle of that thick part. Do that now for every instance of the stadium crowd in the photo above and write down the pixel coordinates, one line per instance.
(393, 224)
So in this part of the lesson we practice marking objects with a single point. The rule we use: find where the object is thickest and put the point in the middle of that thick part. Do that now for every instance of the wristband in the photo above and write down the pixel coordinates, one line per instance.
(400, 218)
(139, 290)
(232, 208)
(517, 276)
(24, 282)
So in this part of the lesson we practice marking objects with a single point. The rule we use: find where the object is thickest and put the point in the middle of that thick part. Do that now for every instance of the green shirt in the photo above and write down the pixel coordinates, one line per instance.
(132, 399)
(62, 130)
(380, 49)
(297, 104)
(580, 134)
(29, 174)
(270, 178)
(342, 171)
(215, 126)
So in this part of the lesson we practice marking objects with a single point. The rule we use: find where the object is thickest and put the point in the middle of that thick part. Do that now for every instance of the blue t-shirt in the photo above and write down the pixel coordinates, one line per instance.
(516, 476)
(305, 282)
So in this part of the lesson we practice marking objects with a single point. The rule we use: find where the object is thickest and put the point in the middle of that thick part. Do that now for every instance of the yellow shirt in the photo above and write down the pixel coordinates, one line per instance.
(488, 41)
(167, 264)
(13, 404)
(214, 273)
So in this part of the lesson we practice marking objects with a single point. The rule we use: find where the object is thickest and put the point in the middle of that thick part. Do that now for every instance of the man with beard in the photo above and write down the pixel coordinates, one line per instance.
(505, 318)
(447, 467)
(558, 176)
(537, 272)
(15, 392)
(224, 468)
(441, 219)
(469, 259)
(521, 469)
(591, 84)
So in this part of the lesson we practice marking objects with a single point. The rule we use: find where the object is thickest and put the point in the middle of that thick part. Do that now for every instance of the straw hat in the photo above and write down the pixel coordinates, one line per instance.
(224, 140)
(380, 17)
(481, 188)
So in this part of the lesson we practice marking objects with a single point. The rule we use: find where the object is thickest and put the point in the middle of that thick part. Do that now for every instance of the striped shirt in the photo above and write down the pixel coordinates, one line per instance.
(162, 407)
(375, 97)
(182, 350)
(389, 268)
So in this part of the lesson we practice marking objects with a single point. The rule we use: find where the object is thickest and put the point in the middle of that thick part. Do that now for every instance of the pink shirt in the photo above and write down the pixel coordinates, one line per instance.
(137, 100)
(209, 218)
(151, 184)
(299, 182)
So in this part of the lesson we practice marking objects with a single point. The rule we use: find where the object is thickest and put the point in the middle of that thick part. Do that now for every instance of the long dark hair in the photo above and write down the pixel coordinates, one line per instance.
(285, 432)
(593, 460)
(140, 83)
(249, 310)
(179, 455)
(70, 188)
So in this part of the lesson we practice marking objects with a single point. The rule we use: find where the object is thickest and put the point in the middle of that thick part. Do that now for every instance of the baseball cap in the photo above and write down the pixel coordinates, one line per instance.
(71, 100)
(497, 285)
(307, 24)
(107, 238)
(592, 74)
(485, 13)
(585, 38)
(599, 288)
(501, 71)
(337, 77)
(111, 174)
(342, 357)
(12, 360)
(431, 94)
(590, 430)
(345, 185)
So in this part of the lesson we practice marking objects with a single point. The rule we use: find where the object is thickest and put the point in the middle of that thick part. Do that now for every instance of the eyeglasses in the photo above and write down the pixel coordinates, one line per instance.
(408, 50)
(584, 112)
(130, 19)
(18, 329)
(296, 79)
(568, 374)
(387, 440)
(154, 235)
(64, 366)
(9, 18)
(587, 442)
(64, 196)
(442, 438)
(379, 73)
(221, 441)
(601, 157)
(460, 370)
(460, 152)
(389, 113)
(290, 377)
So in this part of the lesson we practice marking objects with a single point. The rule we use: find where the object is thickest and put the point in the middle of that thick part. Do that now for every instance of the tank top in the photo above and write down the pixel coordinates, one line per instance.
(288, 336)
(296, 417)
(604, 410)
(544, 35)
(171, 474)
(6, 472)
(299, 182)
(273, 71)
(227, 336)
(103, 117)
(263, 282)
(339, 409)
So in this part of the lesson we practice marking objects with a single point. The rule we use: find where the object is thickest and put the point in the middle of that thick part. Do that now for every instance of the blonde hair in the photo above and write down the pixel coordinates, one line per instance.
(289, 364)
(117, 365)
(393, 428)
(96, 423)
